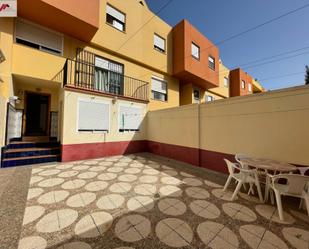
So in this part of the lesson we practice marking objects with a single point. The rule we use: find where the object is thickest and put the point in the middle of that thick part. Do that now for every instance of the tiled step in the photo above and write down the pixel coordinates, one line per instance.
(23, 145)
(11, 162)
(29, 152)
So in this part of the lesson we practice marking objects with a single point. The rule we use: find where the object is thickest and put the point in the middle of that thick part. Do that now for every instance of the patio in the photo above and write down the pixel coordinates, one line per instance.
(138, 201)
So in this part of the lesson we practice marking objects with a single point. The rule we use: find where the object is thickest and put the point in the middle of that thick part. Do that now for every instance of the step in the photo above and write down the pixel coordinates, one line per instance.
(11, 162)
(23, 145)
(28, 152)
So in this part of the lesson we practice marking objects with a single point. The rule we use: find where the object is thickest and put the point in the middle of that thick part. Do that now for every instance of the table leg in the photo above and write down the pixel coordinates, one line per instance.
(266, 186)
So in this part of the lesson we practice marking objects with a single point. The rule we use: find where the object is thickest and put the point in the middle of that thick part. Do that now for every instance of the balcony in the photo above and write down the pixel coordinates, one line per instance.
(86, 77)
(72, 17)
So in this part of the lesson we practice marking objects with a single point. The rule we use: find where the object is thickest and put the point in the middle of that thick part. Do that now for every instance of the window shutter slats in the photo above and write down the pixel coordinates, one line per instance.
(130, 118)
(37, 35)
(158, 85)
(93, 116)
(159, 42)
(115, 13)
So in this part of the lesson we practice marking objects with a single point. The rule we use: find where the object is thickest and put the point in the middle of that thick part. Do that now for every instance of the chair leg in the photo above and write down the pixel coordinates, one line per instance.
(245, 186)
(300, 204)
(258, 186)
(279, 205)
(307, 204)
(250, 189)
(228, 181)
(236, 190)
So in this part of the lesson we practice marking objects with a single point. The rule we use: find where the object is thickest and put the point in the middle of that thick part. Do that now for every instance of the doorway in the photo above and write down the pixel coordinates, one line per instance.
(37, 110)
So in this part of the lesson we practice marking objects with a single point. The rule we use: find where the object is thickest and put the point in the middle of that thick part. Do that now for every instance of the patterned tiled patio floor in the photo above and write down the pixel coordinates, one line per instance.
(145, 201)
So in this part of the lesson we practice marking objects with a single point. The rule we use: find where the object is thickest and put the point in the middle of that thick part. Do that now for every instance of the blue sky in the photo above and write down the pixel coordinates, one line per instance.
(222, 18)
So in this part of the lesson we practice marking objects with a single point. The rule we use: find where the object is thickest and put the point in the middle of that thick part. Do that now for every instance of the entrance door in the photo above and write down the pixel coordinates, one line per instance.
(37, 109)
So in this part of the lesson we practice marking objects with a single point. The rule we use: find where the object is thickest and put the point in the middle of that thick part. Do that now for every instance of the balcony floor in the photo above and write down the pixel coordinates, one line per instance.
(137, 201)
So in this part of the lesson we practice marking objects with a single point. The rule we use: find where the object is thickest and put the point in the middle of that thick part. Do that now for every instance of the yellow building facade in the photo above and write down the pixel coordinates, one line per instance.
(85, 77)
(36, 54)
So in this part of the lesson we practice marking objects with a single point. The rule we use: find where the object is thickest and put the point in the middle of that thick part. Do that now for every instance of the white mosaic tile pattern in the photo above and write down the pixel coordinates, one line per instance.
(129, 201)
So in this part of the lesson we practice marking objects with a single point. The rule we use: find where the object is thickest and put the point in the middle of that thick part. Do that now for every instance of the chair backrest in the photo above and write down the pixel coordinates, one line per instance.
(230, 166)
(238, 158)
(295, 183)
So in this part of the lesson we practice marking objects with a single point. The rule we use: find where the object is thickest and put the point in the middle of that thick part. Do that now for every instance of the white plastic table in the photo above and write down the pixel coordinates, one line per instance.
(268, 165)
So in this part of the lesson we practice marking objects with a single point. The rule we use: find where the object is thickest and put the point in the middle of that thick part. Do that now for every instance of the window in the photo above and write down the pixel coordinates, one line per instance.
(130, 118)
(159, 43)
(226, 82)
(93, 116)
(115, 18)
(37, 37)
(249, 87)
(195, 51)
(243, 84)
(209, 98)
(211, 62)
(196, 94)
(158, 89)
(108, 76)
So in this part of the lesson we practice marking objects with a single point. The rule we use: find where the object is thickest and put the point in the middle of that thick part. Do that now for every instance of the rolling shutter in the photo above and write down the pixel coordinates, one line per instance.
(159, 42)
(158, 85)
(115, 13)
(130, 118)
(34, 34)
(93, 116)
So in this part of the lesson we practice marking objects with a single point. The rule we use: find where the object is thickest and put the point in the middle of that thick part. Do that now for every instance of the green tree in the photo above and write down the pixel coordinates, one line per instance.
(307, 76)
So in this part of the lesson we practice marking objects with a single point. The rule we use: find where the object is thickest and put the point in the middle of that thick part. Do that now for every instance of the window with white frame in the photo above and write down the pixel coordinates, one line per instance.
(108, 76)
(243, 84)
(93, 116)
(209, 98)
(159, 43)
(158, 89)
(115, 18)
(130, 118)
(226, 81)
(211, 62)
(195, 51)
(249, 87)
(37, 37)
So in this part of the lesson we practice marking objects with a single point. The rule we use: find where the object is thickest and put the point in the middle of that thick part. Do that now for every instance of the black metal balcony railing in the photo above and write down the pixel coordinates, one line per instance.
(87, 76)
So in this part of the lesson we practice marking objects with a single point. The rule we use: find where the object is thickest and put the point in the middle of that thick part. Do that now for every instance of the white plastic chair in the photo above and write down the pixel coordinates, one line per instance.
(242, 176)
(295, 187)
(238, 158)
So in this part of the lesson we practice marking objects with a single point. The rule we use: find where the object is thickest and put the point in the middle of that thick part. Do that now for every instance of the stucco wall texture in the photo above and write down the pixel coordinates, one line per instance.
(270, 125)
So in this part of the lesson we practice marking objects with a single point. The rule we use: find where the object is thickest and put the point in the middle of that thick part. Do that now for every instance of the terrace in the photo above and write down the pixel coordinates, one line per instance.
(138, 201)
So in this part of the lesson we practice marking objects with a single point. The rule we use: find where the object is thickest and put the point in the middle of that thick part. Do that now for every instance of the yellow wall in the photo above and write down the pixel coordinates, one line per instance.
(72, 136)
(221, 91)
(174, 126)
(2, 120)
(140, 46)
(6, 39)
(186, 94)
(257, 87)
(35, 63)
(271, 125)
